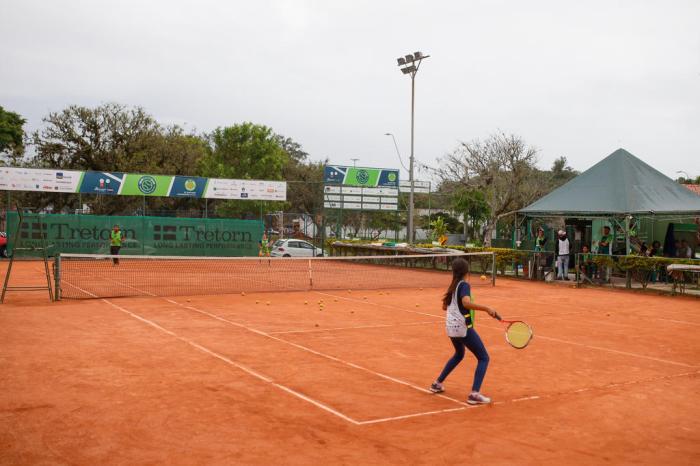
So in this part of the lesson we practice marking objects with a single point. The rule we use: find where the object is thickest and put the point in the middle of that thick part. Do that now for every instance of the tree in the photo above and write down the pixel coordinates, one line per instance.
(244, 151)
(110, 137)
(11, 136)
(500, 167)
(561, 173)
(113, 138)
(472, 204)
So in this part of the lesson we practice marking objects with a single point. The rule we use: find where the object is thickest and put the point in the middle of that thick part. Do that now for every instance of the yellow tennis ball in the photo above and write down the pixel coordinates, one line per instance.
(306, 302)
(483, 277)
(242, 293)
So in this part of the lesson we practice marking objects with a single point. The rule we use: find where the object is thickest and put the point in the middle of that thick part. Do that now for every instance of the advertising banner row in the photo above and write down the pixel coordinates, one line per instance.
(131, 184)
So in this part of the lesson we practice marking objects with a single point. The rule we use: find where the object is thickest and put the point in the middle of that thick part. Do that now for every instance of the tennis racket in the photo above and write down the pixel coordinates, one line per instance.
(518, 333)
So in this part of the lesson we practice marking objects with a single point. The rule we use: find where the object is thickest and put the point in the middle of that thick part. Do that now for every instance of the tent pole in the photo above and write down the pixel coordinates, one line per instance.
(627, 234)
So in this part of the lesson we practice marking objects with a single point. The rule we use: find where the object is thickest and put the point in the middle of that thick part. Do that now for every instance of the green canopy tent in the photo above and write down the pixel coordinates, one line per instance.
(620, 189)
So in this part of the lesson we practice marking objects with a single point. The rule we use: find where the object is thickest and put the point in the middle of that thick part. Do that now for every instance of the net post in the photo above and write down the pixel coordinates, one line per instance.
(311, 278)
(493, 268)
(57, 277)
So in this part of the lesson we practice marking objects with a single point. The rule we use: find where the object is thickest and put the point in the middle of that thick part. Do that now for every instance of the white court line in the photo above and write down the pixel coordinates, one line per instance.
(313, 351)
(245, 369)
(357, 327)
(408, 416)
(237, 365)
(531, 398)
(542, 337)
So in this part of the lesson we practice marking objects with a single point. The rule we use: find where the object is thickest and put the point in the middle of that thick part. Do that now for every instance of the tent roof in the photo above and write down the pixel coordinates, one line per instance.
(619, 184)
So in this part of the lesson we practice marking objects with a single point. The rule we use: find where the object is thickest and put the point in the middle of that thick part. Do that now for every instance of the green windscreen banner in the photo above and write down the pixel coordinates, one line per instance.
(158, 236)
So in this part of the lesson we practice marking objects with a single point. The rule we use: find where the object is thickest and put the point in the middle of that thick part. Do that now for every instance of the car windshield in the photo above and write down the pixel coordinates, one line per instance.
(278, 243)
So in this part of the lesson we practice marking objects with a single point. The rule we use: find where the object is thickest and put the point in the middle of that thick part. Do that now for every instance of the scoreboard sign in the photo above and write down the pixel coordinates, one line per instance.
(359, 188)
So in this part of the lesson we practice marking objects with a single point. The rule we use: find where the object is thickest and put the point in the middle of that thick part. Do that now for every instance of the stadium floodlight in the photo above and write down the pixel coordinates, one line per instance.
(410, 65)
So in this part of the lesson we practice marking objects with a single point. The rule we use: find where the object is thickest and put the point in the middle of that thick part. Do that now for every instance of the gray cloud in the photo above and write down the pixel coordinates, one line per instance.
(577, 79)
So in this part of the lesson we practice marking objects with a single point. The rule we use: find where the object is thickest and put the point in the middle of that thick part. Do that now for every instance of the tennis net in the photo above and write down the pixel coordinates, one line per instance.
(81, 276)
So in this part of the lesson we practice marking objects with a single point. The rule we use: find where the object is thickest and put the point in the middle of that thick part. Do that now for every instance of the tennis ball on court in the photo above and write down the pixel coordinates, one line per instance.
(267, 303)
(364, 297)
(257, 301)
(349, 291)
(483, 277)
(306, 302)
(242, 293)
(421, 289)
(417, 305)
(335, 300)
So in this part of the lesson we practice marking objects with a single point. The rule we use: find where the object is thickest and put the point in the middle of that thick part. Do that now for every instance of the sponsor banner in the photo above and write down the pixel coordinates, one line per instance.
(32, 179)
(102, 183)
(361, 176)
(188, 186)
(370, 206)
(253, 190)
(159, 236)
(146, 185)
(390, 207)
(133, 184)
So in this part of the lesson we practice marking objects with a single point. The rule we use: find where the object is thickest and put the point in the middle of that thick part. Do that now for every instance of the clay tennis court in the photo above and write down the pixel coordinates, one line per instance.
(610, 377)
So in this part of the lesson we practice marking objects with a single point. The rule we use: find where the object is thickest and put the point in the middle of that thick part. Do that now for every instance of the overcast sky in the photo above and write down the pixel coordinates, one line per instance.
(573, 78)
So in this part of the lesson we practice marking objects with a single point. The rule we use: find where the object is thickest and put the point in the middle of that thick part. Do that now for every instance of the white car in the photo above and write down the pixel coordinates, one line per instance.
(294, 248)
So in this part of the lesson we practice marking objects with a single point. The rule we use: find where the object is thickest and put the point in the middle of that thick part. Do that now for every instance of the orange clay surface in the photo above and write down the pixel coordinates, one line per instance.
(611, 377)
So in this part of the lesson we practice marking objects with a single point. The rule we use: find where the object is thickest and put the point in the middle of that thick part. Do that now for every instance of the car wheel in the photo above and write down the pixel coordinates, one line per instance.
(3, 252)
(286, 255)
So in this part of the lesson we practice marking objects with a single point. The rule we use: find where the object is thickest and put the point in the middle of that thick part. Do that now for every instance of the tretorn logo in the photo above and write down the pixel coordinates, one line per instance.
(362, 176)
(190, 184)
(147, 184)
(392, 177)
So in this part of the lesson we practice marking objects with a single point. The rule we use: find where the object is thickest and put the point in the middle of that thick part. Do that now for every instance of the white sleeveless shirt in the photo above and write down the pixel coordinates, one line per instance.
(455, 323)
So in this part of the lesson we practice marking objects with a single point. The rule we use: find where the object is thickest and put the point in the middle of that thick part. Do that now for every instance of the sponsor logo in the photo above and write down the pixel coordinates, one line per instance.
(362, 176)
(147, 184)
(190, 185)
(392, 177)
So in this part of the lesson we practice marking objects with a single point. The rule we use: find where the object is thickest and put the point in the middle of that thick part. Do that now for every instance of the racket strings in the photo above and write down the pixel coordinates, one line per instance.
(519, 334)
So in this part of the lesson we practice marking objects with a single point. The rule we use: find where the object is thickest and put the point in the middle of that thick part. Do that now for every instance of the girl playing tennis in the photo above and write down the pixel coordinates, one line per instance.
(460, 328)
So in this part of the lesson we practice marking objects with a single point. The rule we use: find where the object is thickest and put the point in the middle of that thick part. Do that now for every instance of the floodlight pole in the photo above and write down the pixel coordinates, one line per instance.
(411, 64)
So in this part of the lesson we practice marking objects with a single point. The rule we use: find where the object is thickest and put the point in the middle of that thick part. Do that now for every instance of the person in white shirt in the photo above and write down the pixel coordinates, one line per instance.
(563, 251)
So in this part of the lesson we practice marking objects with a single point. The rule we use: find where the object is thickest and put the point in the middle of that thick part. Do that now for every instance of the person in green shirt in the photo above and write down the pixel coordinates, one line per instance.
(605, 240)
(587, 266)
(540, 240)
(115, 243)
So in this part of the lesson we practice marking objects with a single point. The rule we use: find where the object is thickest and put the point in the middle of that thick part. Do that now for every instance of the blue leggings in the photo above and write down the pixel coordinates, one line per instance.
(476, 346)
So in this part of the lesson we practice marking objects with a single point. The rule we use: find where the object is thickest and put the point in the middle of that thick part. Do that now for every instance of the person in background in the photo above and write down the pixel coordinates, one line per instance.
(563, 251)
(605, 241)
(686, 252)
(655, 249)
(644, 249)
(540, 241)
(115, 243)
(676, 249)
(587, 266)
